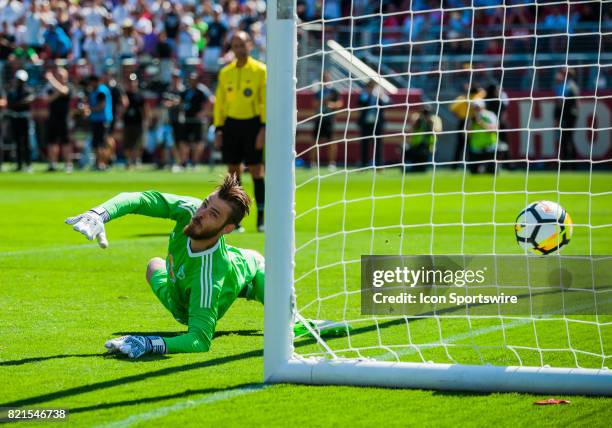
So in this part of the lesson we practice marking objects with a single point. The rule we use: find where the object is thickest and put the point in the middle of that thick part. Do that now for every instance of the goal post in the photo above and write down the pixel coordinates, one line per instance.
(327, 288)
(280, 170)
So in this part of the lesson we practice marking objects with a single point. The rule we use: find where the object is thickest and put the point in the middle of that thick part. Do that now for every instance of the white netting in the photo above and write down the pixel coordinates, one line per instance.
(400, 170)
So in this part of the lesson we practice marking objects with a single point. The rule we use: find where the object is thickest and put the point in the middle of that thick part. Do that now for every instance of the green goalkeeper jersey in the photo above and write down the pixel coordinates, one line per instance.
(201, 286)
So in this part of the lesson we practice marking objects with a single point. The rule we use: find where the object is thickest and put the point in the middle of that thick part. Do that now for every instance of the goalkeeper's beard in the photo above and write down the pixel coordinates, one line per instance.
(191, 232)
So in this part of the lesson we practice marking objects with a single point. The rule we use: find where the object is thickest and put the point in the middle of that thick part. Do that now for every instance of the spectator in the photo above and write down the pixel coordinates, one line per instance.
(11, 11)
(187, 40)
(172, 101)
(58, 99)
(566, 114)
(172, 22)
(100, 117)
(194, 99)
(110, 37)
(122, 11)
(77, 38)
(326, 101)
(108, 78)
(483, 128)
(135, 118)
(233, 16)
(164, 53)
(201, 27)
(94, 48)
(413, 26)
(19, 99)
(390, 24)
(424, 127)
(259, 41)
(555, 22)
(7, 46)
(149, 39)
(95, 15)
(249, 17)
(215, 36)
(371, 123)
(459, 23)
(33, 25)
(57, 41)
(129, 42)
(161, 130)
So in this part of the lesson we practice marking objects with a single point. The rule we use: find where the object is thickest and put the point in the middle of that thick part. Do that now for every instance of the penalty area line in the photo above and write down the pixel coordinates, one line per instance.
(189, 404)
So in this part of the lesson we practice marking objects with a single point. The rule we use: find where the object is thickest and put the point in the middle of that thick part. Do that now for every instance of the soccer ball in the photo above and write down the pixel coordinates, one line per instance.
(543, 227)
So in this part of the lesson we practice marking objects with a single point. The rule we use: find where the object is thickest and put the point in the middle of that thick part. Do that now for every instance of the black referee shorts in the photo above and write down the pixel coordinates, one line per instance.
(239, 137)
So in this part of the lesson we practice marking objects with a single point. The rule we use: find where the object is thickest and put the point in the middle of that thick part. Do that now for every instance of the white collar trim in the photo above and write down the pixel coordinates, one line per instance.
(203, 252)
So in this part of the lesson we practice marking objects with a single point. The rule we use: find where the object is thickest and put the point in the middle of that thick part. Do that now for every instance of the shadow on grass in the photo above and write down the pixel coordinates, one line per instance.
(50, 357)
(151, 357)
(189, 393)
(69, 392)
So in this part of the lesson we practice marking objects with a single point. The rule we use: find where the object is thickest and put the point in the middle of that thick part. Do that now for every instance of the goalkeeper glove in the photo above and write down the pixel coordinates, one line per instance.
(91, 224)
(136, 346)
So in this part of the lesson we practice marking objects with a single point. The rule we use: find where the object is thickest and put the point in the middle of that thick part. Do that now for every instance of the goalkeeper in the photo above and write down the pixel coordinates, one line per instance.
(201, 276)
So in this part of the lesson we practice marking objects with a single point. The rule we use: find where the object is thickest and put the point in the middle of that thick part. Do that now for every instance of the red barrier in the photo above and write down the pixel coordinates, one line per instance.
(346, 125)
(533, 116)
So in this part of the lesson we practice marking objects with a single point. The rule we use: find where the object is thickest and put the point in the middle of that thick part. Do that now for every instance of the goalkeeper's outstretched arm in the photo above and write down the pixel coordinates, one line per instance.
(150, 203)
(197, 339)
(203, 313)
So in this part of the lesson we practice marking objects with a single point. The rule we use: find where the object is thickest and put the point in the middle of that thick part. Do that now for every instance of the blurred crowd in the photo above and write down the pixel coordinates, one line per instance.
(109, 31)
(144, 67)
(422, 20)
(78, 63)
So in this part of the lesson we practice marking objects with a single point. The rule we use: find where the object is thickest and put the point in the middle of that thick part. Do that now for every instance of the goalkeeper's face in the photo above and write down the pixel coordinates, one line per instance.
(210, 219)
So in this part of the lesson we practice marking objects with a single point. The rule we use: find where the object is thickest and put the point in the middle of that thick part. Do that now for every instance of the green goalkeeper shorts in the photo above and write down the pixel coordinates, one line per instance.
(167, 295)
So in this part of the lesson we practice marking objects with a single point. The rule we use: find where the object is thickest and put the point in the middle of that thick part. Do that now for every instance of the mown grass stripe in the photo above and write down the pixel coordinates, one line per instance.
(183, 405)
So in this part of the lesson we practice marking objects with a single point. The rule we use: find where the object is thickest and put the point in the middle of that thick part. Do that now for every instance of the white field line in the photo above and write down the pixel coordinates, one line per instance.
(183, 405)
(76, 247)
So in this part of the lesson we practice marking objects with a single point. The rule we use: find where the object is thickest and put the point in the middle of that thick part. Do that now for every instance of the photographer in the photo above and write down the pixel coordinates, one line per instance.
(424, 126)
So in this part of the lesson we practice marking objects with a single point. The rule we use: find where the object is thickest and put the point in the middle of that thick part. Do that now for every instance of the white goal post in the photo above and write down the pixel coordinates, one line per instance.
(282, 363)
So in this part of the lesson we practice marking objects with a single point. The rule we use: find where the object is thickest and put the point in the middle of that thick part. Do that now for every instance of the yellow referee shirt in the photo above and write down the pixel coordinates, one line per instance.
(241, 92)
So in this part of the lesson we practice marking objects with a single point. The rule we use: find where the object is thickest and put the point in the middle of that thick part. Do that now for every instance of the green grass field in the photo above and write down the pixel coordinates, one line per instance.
(62, 297)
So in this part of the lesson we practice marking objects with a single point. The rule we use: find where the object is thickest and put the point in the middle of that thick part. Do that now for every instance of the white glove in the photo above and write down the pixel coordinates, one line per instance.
(136, 346)
(91, 224)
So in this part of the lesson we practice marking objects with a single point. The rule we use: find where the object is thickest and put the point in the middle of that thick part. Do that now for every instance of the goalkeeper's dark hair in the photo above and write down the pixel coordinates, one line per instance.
(232, 193)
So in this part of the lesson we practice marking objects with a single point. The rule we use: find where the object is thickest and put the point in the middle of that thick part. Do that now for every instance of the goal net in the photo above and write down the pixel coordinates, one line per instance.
(404, 139)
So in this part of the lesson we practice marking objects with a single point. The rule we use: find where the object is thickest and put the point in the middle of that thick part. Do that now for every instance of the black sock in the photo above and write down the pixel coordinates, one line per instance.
(260, 195)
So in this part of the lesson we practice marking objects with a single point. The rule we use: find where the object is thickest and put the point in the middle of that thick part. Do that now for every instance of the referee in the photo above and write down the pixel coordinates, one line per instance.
(240, 116)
